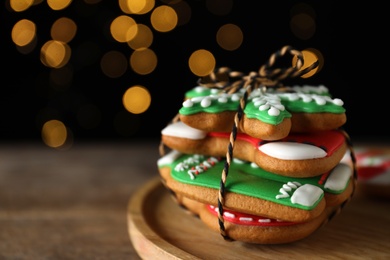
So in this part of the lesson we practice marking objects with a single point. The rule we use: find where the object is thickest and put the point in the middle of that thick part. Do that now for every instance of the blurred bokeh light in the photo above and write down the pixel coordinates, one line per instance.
(136, 99)
(73, 62)
(201, 62)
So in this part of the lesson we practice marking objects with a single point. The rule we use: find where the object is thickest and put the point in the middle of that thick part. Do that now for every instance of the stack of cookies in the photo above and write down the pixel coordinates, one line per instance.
(263, 166)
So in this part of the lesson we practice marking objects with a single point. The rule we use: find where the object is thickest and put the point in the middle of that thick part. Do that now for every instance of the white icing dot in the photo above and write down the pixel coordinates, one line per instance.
(322, 89)
(338, 102)
(236, 97)
(206, 102)
(188, 103)
(306, 98)
(273, 111)
(319, 100)
(245, 219)
(264, 220)
(292, 96)
(222, 99)
(199, 89)
(238, 161)
(254, 165)
(228, 214)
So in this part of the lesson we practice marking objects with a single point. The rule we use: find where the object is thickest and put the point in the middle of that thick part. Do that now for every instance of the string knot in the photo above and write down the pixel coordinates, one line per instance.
(268, 76)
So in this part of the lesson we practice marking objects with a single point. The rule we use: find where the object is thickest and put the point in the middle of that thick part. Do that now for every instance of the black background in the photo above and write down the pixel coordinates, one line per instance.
(352, 39)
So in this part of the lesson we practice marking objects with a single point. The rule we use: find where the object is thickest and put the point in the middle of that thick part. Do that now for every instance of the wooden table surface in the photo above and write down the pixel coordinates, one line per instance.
(72, 204)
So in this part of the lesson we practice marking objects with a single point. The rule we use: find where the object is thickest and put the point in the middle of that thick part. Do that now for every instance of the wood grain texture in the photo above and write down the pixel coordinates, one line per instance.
(160, 229)
(70, 204)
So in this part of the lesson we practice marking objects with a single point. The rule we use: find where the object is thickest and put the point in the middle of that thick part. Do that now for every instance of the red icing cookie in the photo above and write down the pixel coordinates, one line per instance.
(299, 155)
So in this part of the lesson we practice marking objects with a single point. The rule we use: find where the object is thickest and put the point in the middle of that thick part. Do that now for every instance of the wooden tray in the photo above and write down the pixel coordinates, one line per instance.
(160, 229)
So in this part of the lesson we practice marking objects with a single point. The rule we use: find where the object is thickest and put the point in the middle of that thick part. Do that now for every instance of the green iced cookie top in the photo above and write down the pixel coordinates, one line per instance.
(248, 179)
(267, 108)
(311, 103)
(271, 108)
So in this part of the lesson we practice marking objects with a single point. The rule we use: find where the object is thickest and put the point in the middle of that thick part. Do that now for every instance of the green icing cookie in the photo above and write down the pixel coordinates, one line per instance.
(243, 178)
(268, 110)
(308, 103)
(273, 110)
(253, 111)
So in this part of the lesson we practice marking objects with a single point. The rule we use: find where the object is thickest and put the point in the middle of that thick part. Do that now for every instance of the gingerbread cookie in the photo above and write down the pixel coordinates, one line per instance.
(261, 207)
(270, 116)
(297, 155)
(259, 161)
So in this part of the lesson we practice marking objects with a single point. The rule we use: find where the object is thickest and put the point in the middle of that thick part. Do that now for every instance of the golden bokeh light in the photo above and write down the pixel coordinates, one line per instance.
(55, 54)
(201, 62)
(139, 6)
(124, 6)
(81, 43)
(64, 29)
(23, 32)
(123, 28)
(113, 64)
(309, 57)
(20, 6)
(58, 4)
(143, 39)
(136, 99)
(163, 18)
(54, 133)
(143, 61)
(229, 37)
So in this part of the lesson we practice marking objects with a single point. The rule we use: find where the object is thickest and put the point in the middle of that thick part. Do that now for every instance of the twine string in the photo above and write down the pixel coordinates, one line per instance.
(265, 78)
